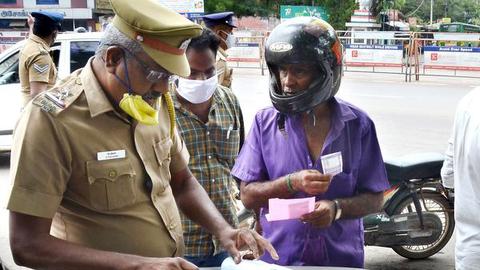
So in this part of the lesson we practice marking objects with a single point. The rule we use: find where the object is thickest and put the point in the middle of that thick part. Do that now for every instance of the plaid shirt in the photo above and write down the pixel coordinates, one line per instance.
(213, 147)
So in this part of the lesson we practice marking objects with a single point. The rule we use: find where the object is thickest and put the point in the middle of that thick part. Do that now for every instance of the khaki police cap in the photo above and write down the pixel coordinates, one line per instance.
(163, 34)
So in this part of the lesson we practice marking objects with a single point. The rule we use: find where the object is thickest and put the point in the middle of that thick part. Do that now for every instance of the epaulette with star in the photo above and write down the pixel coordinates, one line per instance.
(57, 99)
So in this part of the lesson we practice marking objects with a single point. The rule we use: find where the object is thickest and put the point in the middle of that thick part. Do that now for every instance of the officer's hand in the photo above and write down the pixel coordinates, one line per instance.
(30, 21)
(311, 182)
(166, 264)
(243, 241)
(322, 216)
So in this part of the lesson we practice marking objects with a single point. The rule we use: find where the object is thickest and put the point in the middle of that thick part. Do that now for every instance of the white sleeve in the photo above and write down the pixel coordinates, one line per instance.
(447, 168)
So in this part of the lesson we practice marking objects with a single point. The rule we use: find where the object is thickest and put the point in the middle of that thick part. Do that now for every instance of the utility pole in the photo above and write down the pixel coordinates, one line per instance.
(446, 9)
(431, 12)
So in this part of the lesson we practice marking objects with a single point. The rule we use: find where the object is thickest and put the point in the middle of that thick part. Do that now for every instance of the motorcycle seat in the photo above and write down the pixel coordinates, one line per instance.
(414, 166)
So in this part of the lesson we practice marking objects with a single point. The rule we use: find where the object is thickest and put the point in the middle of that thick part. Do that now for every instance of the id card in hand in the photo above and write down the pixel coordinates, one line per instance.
(332, 163)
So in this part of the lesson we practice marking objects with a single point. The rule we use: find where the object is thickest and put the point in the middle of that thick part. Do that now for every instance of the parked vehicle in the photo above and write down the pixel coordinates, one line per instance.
(417, 219)
(69, 52)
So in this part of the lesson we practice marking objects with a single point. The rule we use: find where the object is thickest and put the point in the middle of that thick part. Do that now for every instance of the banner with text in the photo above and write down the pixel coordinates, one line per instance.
(191, 8)
(374, 55)
(244, 52)
(455, 57)
(288, 12)
(9, 38)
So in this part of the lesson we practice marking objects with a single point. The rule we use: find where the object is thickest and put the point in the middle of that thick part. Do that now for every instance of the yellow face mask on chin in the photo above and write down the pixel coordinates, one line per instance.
(139, 109)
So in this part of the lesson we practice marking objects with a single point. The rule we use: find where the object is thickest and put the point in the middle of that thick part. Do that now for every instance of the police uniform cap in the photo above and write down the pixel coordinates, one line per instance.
(214, 19)
(48, 17)
(163, 33)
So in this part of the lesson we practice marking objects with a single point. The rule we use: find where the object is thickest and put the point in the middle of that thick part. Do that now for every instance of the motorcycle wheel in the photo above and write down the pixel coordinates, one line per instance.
(434, 202)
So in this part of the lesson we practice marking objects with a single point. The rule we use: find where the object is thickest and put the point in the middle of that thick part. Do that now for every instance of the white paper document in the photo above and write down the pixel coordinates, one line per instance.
(229, 264)
(332, 163)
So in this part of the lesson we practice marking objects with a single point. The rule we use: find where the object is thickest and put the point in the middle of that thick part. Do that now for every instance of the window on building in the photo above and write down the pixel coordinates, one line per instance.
(47, 2)
(80, 52)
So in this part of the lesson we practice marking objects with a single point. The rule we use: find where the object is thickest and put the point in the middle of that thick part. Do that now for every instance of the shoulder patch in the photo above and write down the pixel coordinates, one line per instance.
(41, 68)
(57, 99)
(46, 104)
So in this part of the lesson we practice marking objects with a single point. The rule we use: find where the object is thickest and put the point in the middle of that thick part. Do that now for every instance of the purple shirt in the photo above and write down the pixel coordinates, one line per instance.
(268, 154)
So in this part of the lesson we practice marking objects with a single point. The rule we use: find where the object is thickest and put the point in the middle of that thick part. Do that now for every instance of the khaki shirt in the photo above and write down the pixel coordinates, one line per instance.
(224, 73)
(61, 170)
(35, 65)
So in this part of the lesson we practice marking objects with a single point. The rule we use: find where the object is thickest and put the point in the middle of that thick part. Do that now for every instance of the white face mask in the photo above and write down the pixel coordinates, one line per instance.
(197, 91)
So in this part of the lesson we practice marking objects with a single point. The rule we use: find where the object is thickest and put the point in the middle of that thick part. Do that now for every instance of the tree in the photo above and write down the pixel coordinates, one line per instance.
(458, 10)
(339, 11)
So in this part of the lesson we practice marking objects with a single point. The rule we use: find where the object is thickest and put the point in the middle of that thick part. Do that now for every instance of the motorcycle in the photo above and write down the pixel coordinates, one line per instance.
(417, 218)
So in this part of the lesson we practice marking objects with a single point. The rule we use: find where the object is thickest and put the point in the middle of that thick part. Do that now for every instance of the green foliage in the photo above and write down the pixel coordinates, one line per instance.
(340, 11)
(467, 11)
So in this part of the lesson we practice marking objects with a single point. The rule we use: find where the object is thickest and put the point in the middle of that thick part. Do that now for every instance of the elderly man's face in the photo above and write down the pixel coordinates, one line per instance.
(146, 77)
(296, 77)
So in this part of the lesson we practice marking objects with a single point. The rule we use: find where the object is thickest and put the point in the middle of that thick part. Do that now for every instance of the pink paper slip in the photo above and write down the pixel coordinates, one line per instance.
(283, 209)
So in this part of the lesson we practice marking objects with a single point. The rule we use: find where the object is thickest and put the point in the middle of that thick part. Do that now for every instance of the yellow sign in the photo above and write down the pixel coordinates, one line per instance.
(102, 4)
(446, 20)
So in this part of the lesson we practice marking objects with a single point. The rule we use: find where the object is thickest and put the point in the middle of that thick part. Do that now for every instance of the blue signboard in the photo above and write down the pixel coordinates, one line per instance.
(375, 47)
(47, 2)
(451, 49)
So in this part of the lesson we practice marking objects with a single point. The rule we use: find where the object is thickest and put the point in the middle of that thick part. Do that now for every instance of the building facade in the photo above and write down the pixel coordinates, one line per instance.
(89, 14)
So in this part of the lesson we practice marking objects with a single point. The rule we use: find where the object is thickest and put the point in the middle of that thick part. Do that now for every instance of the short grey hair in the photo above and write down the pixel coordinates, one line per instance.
(112, 36)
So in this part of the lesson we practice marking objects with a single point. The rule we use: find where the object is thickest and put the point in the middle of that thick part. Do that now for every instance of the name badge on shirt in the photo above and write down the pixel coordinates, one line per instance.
(111, 155)
(332, 163)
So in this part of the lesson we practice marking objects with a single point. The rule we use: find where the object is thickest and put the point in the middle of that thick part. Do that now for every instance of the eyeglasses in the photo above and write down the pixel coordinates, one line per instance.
(153, 76)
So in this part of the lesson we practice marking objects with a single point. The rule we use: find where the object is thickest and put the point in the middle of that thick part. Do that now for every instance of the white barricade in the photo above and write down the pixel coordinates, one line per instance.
(244, 52)
(373, 55)
(452, 58)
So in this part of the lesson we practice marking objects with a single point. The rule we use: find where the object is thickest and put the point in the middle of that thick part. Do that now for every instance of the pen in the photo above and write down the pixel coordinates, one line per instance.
(230, 128)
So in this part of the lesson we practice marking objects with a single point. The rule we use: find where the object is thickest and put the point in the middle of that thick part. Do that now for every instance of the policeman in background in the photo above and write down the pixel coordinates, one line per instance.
(99, 171)
(37, 69)
(222, 25)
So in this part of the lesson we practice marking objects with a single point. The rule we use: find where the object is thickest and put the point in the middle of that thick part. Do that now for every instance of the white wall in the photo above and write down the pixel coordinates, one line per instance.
(91, 4)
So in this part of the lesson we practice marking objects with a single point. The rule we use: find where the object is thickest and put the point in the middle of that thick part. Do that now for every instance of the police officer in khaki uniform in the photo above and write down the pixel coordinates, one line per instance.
(97, 165)
(222, 25)
(37, 69)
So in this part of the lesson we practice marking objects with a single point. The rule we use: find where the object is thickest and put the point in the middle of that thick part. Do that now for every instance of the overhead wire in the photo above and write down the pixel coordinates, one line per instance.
(421, 4)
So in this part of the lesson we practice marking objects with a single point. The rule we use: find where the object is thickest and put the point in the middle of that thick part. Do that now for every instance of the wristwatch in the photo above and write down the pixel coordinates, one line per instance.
(338, 210)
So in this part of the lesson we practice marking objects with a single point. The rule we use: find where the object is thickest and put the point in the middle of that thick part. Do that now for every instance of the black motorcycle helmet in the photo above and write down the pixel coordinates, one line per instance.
(304, 40)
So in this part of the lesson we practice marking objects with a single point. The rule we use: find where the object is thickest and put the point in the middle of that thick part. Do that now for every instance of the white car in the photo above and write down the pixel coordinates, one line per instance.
(70, 52)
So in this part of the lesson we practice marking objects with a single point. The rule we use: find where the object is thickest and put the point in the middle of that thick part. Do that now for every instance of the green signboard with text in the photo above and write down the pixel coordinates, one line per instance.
(288, 12)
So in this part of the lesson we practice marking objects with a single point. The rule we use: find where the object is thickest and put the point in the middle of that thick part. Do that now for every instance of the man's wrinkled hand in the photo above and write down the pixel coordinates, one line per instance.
(322, 216)
(311, 182)
(242, 241)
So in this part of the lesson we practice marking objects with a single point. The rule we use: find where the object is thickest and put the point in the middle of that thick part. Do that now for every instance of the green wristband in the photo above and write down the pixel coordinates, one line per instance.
(289, 184)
